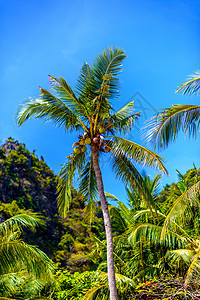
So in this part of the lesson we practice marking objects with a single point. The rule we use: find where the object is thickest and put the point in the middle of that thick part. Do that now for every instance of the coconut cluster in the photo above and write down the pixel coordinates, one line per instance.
(85, 139)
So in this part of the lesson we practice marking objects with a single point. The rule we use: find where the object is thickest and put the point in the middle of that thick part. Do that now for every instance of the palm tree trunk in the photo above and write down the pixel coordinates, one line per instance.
(107, 224)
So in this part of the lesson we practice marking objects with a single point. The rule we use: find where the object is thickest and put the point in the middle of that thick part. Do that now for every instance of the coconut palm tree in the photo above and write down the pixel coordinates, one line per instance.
(164, 127)
(170, 237)
(88, 111)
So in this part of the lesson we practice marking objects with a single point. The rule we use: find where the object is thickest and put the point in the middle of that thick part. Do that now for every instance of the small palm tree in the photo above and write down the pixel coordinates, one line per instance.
(177, 244)
(89, 112)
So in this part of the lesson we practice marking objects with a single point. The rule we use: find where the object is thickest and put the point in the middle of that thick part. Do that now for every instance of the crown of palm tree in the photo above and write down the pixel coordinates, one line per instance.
(88, 110)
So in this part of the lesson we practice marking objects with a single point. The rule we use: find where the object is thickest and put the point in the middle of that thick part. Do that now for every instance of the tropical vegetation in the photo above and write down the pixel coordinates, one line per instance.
(155, 236)
(58, 242)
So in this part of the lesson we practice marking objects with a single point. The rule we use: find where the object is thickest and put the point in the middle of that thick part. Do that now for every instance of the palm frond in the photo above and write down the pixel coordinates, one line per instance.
(119, 223)
(107, 66)
(16, 254)
(48, 107)
(164, 128)
(9, 282)
(127, 173)
(191, 86)
(176, 216)
(88, 183)
(123, 282)
(111, 197)
(16, 222)
(124, 285)
(65, 179)
(86, 88)
(125, 125)
(138, 153)
(88, 187)
(66, 94)
(185, 254)
(91, 294)
(155, 185)
(126, 213)
(194, 267)
(123, 112)
(124, 119)
(146, 213)
(151, 233)
(148, 232)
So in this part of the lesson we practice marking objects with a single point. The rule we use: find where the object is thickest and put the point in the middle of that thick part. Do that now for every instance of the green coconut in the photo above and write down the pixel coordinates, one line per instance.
(87, 141)
(77, 150)
(81, 142)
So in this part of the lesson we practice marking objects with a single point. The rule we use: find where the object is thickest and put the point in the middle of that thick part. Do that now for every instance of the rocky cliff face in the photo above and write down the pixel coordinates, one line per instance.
(26, 179)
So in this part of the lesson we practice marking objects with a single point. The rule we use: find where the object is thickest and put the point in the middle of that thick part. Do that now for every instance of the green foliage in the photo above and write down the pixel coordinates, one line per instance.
(74, 286)
(78, 245)
(24, 269)
(32, 186)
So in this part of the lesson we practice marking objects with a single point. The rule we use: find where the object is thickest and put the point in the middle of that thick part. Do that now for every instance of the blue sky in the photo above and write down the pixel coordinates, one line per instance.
(38, 38)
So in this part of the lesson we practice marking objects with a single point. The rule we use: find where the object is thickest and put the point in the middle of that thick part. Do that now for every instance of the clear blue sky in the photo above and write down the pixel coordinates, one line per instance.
(162, 42)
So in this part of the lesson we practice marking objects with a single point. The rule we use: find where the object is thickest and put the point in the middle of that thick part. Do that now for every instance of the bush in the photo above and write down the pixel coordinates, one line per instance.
(74, 286)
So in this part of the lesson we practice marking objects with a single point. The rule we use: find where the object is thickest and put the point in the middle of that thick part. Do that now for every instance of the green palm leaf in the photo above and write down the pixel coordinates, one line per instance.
(153, 185)
(88, 187)
(127, 173)
(147, 231)
(86, 86)
(16, 254)
(185, 254)
(88, 183)
(191, 86)
(115, 215)
(90, 295)
(51, 108)
(65, 179)
(194, 267)
(108, 65)
(138, 153)
(16, 222)
(8, 282)
(123, 112)
(126, 213)
(164, 128)
(124, 119)
(152, 233)
(66, 94)
(111, 197)
(176, 216)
